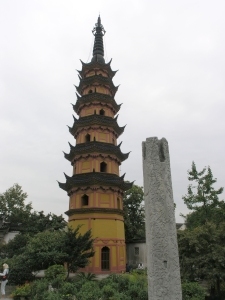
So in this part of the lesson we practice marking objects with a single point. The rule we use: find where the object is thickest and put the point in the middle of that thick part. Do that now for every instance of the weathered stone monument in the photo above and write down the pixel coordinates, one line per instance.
(161, 237)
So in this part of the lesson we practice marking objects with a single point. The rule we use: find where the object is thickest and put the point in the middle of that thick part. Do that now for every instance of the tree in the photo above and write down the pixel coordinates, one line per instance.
(202, 254)
(49, 248)
(78, 249)
(19, 215)
(13, 207)
(202, 198)
(134, 214)
(201, 245)
(38, 222)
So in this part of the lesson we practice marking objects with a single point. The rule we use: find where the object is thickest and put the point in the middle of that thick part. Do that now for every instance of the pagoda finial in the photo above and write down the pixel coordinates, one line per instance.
(98, 50)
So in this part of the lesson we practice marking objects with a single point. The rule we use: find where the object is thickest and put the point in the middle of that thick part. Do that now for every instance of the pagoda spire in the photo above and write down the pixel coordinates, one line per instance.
(98, 49)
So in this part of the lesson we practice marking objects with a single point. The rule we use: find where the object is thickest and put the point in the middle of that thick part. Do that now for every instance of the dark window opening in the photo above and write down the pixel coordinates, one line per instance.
(87, 138)
(102, 112)
(103, 167)
(90, 91)
(84, 200)
(118, 203)
(105, 255)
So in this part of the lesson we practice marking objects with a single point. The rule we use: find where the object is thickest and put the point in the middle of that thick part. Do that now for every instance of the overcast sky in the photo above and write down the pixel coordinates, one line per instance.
(171, 61)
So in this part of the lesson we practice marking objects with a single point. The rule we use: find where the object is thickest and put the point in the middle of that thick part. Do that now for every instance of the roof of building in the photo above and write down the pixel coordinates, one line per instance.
(96, 80)
(92, 210)
(95, 178)
(94, 146)
(97, 98)
(99, 120)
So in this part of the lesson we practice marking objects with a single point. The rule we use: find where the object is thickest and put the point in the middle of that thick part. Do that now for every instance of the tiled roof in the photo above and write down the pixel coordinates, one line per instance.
(99, 147)
(96, 97)
(95, 178)
(96, 120)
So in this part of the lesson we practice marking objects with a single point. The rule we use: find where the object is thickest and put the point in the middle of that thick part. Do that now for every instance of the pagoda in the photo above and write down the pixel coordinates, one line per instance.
(96, 188)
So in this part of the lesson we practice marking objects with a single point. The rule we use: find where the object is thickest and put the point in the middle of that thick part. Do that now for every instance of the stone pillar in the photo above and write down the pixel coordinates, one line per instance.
(161, 236)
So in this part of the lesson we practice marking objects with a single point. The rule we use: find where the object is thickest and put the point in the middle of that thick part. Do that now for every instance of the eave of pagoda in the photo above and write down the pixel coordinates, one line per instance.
(96, 121)
(95, 65)
(100, 149)
(95, 81)
(95, 180)
(93, 210)
(96, 98)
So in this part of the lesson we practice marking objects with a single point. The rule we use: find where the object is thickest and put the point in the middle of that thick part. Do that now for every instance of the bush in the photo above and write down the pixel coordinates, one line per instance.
(89, 290)
(39, 288)
(192, 291)
(55, 275)
(23, 290)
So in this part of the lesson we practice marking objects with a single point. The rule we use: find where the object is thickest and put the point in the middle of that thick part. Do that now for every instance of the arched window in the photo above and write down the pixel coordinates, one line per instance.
(103, 167)
(102, 112)
(87, 138)
(84, 200)
(105, 258)
(90, 92)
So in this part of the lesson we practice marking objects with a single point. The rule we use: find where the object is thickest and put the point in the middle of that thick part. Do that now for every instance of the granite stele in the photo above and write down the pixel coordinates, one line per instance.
(162, 252)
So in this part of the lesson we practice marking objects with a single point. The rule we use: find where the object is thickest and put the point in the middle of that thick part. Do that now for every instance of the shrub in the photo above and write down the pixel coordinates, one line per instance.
(55, 275)
(108, 292)
(192, 291)
(89, 290)
(23, 290)
(39, 288)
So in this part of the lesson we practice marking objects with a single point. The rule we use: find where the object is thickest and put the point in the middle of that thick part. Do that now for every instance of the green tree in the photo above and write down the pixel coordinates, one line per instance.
(201, 245)
(78, 249)
(13, 207)
(202, 254)
(49, 248)
(17, 214)
(202, 198)
(134, 214)
(38, 222)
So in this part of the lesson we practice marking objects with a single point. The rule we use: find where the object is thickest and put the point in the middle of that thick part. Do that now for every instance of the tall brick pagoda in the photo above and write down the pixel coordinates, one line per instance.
(96, 187)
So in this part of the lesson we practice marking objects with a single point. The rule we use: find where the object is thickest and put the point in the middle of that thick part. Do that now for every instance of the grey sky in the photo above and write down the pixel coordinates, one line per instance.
(170, 56)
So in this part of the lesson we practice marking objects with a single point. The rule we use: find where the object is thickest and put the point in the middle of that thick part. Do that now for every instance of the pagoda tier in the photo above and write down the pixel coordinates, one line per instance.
(93, 99)
(96, 83)
(96, 67)
(103, 122)
(86, 150)
(96, 179)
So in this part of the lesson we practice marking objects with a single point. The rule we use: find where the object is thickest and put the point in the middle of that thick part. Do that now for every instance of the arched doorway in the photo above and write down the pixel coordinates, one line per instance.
(105, 259)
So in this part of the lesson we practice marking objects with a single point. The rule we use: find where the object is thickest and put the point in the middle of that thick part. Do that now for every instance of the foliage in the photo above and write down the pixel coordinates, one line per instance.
(16, 246)
(49, 248)
(134, 215)
(39, 222)
(38, 288)
(86, 276)
(202, 253)
(12, 205)
(19, 270)
(89, 290)
(202, 244)
(55, 274)
(23, 290)
(114, 287)
(192, 291)
(202, 198)
(78, 249)
(44, 250)
(19, 215)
